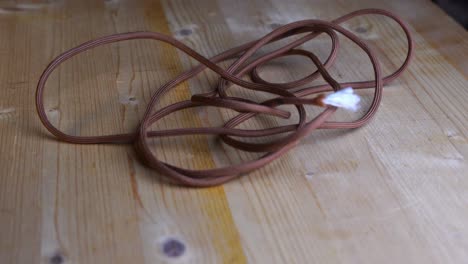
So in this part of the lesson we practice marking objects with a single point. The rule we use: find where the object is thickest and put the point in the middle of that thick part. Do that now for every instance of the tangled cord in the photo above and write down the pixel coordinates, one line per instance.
(246, 108)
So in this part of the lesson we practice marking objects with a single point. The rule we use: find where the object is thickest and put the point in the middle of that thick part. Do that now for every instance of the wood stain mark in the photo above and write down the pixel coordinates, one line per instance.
(338, 166)
(135, 192)
(225, 236)
(7, 113)
(129, 100)
(56, 203)
(336, 234)
(134, 186)
(21, 8)
(316, 200)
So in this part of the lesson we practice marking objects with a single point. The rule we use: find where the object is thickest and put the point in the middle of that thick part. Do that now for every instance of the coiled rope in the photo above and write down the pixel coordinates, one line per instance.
(244, 64)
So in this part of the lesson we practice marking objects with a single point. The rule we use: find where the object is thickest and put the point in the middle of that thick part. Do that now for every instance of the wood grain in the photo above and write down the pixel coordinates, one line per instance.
(394, 191)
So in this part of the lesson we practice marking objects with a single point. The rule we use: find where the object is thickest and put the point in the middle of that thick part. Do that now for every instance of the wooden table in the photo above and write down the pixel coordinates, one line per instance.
(394, 191)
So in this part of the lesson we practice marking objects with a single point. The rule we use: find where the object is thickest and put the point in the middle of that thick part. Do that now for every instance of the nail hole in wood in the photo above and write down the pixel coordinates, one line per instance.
(275, 25)
(361, 30)
(57, 259)
(173, 248)
(185, 32)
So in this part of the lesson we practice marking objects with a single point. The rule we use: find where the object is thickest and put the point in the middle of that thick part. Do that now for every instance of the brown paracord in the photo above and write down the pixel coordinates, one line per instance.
(247, 108)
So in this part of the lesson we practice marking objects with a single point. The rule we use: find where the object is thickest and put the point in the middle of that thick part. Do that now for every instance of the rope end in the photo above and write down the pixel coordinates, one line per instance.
(344, 98)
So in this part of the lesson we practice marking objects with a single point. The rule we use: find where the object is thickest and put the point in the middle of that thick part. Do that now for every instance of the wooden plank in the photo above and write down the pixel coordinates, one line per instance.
(393, 191)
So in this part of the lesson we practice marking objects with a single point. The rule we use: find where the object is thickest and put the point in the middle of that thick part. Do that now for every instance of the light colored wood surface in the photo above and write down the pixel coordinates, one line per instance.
(394, 191)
